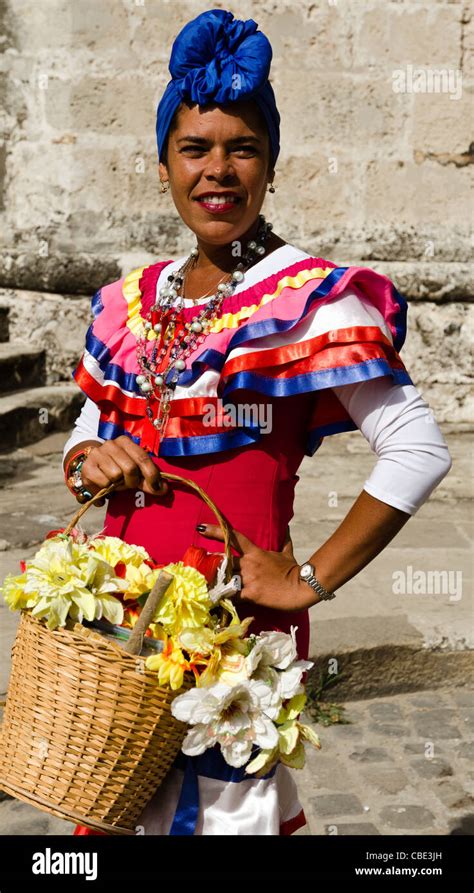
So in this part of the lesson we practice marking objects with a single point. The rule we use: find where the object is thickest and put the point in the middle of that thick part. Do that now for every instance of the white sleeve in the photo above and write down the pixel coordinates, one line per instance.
(413, 456)
(86, 426)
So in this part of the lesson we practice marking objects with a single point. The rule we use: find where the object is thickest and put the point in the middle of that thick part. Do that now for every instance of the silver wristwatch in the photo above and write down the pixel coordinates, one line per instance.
(307, 574)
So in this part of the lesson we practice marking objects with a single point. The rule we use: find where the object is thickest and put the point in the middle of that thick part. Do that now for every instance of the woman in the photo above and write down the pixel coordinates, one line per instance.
(272, 349)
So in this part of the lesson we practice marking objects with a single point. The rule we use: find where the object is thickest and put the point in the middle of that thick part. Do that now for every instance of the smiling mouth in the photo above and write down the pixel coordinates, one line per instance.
(218, 200)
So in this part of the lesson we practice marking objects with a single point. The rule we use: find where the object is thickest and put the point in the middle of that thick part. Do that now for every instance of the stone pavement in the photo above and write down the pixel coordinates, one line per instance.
(401, 765)
(404, 765)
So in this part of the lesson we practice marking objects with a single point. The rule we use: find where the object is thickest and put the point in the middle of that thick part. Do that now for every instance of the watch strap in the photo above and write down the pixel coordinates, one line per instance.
(317, 586)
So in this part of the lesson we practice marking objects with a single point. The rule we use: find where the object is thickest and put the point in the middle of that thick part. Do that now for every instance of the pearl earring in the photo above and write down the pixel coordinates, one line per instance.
(271, 188)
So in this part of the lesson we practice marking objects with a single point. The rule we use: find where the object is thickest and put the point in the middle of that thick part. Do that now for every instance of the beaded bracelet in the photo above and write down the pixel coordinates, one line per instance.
(72, 474)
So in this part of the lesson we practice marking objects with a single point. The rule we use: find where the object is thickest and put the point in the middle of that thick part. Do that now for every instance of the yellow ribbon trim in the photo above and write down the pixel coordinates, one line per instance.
(231, 320)
(133, 296)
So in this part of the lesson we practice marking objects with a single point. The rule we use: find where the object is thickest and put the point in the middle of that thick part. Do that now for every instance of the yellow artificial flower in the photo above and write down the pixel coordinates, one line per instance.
(139, 580)
(65, 579)
(158, 632)
(139, 576)
(14, 593)
(77, 553)
(113, 550)
(220, 650)
(171, 664)
(186, 602)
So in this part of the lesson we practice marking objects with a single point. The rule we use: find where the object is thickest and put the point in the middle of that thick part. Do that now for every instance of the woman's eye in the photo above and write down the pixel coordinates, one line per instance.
(200, 149)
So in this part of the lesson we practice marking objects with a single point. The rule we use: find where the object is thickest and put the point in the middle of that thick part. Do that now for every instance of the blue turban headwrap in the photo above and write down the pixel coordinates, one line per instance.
(207, 55)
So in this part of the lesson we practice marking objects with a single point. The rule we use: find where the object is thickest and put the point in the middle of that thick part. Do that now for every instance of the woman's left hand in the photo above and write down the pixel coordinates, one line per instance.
(269, 579)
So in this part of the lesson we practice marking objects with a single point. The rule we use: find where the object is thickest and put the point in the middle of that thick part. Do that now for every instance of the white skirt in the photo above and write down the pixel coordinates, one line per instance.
(203, 795)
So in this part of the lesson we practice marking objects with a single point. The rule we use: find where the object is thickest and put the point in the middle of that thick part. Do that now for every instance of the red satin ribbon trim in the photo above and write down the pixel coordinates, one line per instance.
(351, 346)
(100, 393)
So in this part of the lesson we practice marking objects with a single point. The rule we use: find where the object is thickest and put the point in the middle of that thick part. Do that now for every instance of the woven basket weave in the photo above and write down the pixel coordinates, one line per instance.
(88, 733)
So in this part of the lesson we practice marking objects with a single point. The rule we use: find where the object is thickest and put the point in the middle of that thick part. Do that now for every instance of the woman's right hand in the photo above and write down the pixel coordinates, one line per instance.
(114, 459)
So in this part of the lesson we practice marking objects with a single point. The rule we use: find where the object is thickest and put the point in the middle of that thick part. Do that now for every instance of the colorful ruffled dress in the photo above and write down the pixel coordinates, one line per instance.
(296, 327)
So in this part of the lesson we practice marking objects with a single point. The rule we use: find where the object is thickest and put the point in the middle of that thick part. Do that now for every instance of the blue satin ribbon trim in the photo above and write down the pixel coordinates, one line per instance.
(190, 446)
(317, 380)
(311, 381)
(96, 304)
(184, 822)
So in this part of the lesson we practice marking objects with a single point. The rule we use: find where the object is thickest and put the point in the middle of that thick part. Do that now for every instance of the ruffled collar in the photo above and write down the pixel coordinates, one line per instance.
(244, 297)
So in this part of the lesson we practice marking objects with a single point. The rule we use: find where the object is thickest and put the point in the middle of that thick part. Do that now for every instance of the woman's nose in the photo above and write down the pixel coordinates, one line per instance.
(220, 168)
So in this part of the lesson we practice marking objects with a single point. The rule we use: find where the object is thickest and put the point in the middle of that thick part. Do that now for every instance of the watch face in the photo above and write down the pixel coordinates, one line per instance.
(306, 571)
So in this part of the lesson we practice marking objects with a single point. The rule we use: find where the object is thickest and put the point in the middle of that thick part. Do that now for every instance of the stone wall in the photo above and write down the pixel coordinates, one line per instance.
(375, 165)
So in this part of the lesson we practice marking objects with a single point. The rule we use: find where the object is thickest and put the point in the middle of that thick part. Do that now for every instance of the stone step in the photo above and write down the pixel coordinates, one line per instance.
(381, 656)
(4, 322)
(28, 415)
(21, 366)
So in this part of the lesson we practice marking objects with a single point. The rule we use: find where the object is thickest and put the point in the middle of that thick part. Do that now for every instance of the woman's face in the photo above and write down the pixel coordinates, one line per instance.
(213, 154)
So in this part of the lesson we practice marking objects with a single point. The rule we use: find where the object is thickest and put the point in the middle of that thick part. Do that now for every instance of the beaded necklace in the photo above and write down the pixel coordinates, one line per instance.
(166, 339)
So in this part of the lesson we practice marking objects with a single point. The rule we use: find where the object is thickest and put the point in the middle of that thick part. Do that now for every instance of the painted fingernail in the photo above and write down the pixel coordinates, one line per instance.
(201, 528)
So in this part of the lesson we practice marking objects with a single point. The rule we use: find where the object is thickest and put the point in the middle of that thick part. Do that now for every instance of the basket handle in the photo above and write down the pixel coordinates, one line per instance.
(223, 522)
(135, 642)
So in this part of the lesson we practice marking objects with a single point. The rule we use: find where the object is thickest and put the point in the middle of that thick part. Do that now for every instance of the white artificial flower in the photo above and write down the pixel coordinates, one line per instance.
(265, 683)
(237, 749)
(199, 705)
(255, 658)
(290, 679)
(233, 717)
(198, 739)
(266, 733)
(236, 752)
(273, 649)
(221, 588)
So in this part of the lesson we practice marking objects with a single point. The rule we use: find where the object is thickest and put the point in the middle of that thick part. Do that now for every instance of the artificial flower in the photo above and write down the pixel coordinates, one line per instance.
(224, 647)
(274, 649)
(54, 533)
(205, 562)
(130, 562)
(77, 534)
(76, 551)
(231, 668)
(113, 550)
(290, 679)
(139, 579)
(171, 663)
(229, 716)
(269, 678)
(290, 748)
(64, 579)
(14, 592)
(185, 603)
(248, 691)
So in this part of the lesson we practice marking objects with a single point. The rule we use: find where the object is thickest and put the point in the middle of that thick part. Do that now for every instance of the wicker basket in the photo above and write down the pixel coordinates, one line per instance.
(88, 733)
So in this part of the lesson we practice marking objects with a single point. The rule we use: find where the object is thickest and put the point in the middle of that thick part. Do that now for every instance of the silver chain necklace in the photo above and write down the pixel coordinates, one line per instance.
(172, 338)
